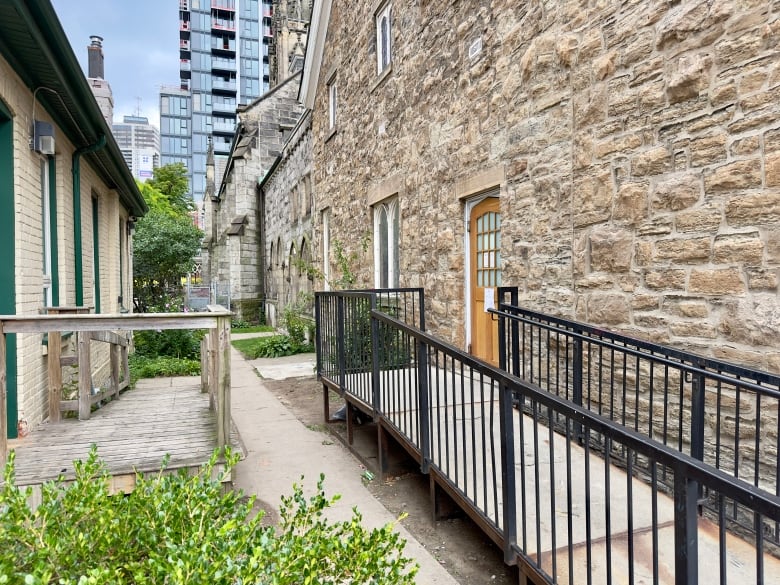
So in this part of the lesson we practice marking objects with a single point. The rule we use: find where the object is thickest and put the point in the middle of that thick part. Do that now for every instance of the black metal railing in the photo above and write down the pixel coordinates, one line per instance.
(574, 494)
(344, 331)
(717, 412)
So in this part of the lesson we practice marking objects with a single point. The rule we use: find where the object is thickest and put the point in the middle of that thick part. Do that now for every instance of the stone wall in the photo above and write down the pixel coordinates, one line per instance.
(234, 245)
(636, 146)
(288, 203)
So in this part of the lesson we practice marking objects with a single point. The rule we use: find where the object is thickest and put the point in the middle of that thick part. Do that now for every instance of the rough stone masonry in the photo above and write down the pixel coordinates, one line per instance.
(636, 145)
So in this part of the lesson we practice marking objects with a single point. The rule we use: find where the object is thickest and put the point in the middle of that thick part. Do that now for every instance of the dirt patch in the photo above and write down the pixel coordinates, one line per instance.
(458, 544)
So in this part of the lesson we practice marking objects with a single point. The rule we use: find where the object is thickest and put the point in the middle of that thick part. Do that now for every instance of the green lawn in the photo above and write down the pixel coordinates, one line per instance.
(253, 329)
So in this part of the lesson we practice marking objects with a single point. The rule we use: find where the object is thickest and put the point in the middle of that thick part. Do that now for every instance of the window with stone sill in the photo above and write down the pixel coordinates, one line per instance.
(386, 229)
(384, 35)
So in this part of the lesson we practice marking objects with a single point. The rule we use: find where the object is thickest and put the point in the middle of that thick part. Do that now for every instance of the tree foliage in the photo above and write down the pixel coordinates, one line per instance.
(180, 529)
(166, 241)
(164, 247)
(169, 188)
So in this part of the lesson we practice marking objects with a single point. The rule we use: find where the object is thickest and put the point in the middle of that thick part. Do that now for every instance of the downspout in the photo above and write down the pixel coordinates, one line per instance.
(77, 248)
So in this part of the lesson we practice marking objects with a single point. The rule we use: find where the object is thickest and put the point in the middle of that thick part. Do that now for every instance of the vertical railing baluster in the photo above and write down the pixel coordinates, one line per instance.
(686, 517)
(318, 332)
(508, 488)
(577, 381)
(697, 414)
(340, 343)
(424, 406)
(374, 357)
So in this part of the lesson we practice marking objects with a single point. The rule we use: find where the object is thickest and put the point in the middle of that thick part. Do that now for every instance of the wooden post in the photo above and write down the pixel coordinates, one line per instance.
(213, 366)
(223, 382)
(3, 389)
(55, 375)
(115, 370)
(85, 375)
(204, 364)
(125, 366)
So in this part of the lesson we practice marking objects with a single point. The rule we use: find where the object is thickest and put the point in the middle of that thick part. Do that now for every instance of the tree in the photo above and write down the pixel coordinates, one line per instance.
(164, 247)
(171, 181)
(166, 241)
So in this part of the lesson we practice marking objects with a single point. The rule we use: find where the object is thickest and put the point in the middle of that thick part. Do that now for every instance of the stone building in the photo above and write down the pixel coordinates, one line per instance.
(67, 199)
(287, 48)
(619, 162)
(288, 201)
(233, 215)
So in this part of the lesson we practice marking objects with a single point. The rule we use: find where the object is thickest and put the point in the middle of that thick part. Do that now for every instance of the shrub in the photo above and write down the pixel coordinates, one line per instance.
(271, 347)
(154, 367)
(177, 529)
(178, 343)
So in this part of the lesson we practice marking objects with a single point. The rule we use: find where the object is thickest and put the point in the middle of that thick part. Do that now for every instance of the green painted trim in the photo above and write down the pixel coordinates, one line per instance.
(55, 256)
(8, 268)
(78, 248)
(96, 252)
(122, 240)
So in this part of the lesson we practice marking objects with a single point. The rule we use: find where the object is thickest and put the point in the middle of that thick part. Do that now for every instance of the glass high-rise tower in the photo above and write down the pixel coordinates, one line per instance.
(223, 53)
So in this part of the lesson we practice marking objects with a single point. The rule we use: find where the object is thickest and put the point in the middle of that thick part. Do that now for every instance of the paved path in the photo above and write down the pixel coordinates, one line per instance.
(280, 449)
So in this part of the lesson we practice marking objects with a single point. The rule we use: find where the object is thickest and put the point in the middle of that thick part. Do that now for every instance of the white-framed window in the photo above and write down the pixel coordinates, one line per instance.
(384, 36)
(332, 103)
(46, 233)
(386, 229)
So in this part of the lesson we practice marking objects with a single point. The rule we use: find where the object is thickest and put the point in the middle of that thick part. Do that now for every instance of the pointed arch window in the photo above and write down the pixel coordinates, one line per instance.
(386, 229)
(384, 35)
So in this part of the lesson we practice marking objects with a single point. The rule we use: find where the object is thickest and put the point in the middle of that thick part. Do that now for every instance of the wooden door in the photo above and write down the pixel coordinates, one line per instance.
(485, 276)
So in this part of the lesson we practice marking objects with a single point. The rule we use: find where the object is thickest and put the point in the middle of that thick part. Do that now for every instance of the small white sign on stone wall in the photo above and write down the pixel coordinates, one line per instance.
(476, 48)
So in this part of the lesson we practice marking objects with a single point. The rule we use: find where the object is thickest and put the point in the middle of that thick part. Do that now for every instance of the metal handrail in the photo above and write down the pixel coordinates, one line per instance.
(490, 436)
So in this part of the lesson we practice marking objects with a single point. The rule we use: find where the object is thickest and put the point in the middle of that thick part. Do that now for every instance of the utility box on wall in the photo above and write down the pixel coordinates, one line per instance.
(43, 138)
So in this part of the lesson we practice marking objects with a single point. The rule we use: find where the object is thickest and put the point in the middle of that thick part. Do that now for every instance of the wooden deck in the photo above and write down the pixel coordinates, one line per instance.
(160, 416)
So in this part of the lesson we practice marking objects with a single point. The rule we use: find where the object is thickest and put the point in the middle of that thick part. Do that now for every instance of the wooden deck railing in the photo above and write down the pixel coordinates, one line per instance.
(215, 358)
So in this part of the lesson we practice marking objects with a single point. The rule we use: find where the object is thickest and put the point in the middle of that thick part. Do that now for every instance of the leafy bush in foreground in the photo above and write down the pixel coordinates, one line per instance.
(179, 529)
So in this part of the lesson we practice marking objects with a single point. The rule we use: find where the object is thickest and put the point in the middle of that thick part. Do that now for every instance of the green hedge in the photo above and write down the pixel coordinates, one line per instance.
(181, 529)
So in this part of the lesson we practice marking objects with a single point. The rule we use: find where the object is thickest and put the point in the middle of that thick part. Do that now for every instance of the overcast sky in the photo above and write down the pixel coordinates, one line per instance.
(140, 46)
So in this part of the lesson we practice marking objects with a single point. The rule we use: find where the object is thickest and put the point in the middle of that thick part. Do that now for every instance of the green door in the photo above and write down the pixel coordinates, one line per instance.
(7, 249)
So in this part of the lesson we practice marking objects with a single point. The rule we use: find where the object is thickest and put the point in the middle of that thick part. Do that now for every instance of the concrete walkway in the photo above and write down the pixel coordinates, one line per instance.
(280, 449)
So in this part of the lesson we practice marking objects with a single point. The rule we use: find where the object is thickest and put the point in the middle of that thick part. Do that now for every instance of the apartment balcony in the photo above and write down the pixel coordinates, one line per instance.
(184, 4)
(223, 108)
(184, 44)
(223, 26)
(184, 25)
(223, 127)
(221, 85)
(185, 65)
(223, 45)
(226, 5)
(222, 146)
(218, 64)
